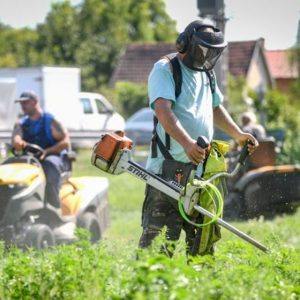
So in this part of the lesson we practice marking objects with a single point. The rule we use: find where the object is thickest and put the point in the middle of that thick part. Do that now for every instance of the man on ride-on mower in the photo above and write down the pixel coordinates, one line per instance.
(42, 129)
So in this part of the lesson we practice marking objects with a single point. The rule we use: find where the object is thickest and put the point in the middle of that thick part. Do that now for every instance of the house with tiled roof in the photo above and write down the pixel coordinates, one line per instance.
(244, 59)
(247, 59)
(282, 69)
(137, 61)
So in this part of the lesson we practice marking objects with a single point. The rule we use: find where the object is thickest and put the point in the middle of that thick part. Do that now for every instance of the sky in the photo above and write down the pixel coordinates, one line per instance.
(274, 20)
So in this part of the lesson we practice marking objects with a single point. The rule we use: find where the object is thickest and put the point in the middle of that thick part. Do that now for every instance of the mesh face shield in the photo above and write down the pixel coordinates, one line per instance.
(204, 50)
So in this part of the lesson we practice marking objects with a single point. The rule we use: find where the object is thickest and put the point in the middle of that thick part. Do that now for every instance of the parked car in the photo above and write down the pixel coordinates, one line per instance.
(139, 126)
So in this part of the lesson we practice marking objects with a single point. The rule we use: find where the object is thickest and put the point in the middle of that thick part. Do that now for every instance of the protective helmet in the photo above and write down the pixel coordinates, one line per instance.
(203, 44)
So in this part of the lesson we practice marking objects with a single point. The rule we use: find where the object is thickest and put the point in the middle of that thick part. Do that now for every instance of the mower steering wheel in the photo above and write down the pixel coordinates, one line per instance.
(34, 150)
(31, 149)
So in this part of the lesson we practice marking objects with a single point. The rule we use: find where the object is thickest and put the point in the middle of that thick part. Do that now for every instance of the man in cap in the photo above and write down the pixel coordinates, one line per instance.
(41, 128)
(184, 118)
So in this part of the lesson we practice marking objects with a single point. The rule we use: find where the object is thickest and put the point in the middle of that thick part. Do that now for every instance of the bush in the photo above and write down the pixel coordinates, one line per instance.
(131, 97)
(281, 113)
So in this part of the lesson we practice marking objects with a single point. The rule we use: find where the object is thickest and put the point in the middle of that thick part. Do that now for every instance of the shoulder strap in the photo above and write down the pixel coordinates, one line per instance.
(177, 76)
(176, 71)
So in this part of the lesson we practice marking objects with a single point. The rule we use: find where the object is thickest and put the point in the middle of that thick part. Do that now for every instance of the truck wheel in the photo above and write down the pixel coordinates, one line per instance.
(39, 236)
(90, 222)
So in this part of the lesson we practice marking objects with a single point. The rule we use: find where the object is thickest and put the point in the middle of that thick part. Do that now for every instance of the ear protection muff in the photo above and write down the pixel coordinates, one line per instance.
(182, 41)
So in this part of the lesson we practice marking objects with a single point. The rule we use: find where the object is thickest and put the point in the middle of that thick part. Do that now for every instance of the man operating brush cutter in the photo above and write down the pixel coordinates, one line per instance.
(112, 154)
(187, 103)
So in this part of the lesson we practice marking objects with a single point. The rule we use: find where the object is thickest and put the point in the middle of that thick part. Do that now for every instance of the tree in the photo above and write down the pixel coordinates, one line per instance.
(131, 97)
(103, 34)
(90, 35)
(237, 92)
(108, 26)
(17, 47)
(295, 60)
(58, 37)
(150, 22)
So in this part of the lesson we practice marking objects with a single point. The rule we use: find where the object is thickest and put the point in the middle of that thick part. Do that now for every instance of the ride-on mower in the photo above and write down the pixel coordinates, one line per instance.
(263, 188)
(112, 154)
(27, 220)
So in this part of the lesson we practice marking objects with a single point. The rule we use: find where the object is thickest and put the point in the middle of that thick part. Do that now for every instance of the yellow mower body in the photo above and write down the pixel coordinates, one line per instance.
(20, 173)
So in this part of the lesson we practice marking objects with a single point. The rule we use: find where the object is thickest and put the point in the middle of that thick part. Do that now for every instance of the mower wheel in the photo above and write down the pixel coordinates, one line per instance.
(39, 236)
(90, 222)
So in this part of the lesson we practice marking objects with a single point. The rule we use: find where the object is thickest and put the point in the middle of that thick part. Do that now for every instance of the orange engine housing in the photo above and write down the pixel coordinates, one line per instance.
(110, 144)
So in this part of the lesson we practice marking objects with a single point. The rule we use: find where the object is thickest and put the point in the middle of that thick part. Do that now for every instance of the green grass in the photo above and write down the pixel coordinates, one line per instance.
(110, 270)
(125, 199)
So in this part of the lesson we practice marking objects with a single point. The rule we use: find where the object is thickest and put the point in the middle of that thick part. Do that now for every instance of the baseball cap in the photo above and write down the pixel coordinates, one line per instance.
(27, 95)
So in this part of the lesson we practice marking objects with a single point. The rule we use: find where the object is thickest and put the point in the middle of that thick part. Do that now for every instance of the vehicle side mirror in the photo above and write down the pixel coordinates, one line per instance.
(110, 111)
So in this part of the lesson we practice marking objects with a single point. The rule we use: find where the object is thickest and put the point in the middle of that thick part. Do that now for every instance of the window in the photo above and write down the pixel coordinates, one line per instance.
(86, 105)
(101, 108)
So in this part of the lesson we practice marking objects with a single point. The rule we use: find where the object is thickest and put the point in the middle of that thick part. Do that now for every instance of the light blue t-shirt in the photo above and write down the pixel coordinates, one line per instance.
(193, 107)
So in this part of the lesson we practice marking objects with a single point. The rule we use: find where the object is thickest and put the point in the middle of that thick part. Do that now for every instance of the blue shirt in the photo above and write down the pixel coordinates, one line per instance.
(38, 131)
(193, 107)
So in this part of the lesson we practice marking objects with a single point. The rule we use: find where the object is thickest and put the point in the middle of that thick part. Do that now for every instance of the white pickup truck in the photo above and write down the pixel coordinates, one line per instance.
(86, 115)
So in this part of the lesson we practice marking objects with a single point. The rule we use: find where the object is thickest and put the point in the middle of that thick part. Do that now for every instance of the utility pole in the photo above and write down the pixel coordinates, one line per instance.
(298, 35)
(214, 10)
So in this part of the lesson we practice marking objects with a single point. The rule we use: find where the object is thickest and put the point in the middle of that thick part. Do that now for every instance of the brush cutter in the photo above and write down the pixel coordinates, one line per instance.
(112, 154)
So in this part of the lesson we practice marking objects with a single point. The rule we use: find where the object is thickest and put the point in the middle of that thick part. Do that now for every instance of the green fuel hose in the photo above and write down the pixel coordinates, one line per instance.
(213, 193)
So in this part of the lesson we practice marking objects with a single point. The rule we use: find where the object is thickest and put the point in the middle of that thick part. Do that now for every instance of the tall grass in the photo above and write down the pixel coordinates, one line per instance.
(115, 269)
(125, 199)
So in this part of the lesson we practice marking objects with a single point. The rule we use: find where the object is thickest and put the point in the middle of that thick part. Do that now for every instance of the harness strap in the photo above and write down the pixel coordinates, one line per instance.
(156, 141)
(212, 81)
(176, 71)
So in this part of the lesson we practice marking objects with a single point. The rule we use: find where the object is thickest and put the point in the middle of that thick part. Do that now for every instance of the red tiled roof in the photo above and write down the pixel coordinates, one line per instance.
(280, 65)
(239, 57)
(138, 59)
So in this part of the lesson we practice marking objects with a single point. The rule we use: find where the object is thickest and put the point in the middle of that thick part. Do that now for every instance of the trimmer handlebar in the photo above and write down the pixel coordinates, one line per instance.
(241, 161)
(244, 153)
(202, 142)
